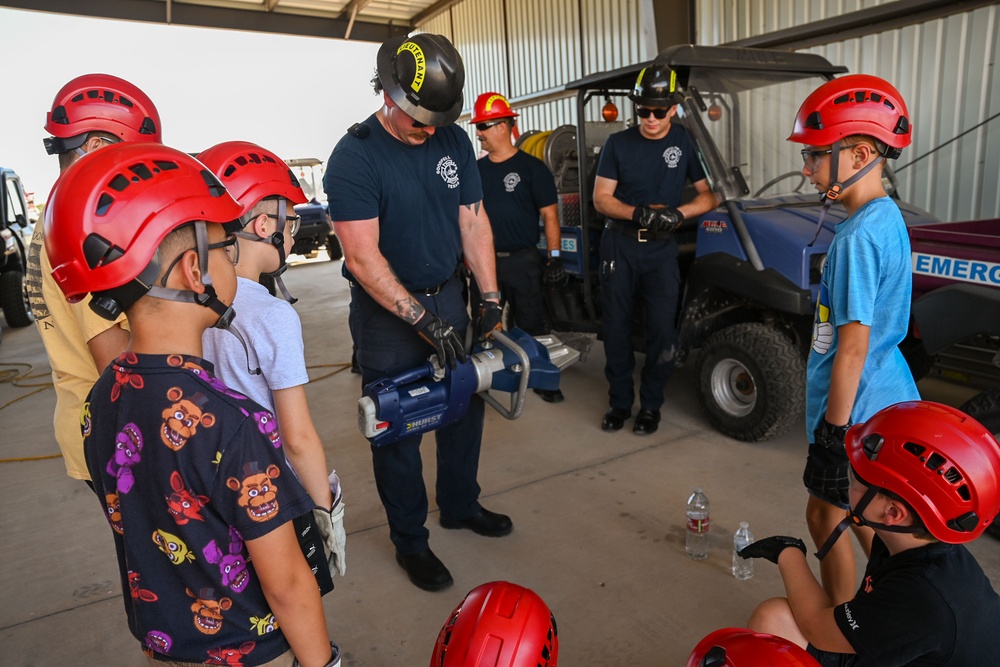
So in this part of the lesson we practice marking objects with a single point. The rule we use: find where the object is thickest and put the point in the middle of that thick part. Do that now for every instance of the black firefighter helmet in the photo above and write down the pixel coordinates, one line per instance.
(424, 75)
(655, 86)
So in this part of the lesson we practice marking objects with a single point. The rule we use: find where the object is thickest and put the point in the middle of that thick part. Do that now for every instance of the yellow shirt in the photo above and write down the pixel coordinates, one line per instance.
(65, 328)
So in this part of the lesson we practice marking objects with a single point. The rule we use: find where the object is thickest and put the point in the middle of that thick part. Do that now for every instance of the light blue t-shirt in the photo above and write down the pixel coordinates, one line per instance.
(866, 279)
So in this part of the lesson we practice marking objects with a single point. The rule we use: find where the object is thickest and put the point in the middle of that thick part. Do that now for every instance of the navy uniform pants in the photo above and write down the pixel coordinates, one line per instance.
(519, 275)
(387, 346)
(647, 270)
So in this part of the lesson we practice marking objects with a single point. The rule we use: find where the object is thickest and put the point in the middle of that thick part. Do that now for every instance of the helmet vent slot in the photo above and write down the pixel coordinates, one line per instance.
(141, 170)
(163, 165)
(915, 449)
(935, 461)
(104, 203)
(954, 476)
(843, 99)
(229, 171)
(118, 183)
(125, 102)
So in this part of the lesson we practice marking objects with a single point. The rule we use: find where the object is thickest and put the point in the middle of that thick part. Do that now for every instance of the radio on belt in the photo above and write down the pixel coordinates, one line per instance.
(429, 397)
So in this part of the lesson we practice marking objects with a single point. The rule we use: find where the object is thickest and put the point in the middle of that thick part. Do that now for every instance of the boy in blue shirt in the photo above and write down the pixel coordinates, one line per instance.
(850, 127)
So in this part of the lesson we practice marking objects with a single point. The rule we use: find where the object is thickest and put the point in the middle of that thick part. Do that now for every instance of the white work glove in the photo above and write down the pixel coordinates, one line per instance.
(331, 527)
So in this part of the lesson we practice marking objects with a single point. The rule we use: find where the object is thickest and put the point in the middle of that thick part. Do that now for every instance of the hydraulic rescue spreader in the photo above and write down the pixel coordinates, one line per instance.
(429, 397)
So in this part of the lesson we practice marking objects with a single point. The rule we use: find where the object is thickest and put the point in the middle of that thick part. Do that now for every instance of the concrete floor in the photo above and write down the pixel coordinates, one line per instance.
(598, 519)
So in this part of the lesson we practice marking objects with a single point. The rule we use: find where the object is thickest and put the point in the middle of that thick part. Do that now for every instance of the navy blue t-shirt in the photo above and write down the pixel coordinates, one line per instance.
(414, 191)
(650, 171)
(186, 471)
(513, 192)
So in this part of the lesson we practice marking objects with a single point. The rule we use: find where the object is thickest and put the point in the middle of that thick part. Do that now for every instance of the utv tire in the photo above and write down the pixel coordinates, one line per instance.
(751, 381)
(333, 248)
(14, 300)
(985, 408)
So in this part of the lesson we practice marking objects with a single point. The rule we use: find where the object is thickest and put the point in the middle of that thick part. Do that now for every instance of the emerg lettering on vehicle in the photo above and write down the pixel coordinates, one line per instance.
(966, 270)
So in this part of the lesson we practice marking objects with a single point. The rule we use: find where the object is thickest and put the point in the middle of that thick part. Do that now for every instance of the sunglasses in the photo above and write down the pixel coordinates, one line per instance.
(657, 112)
(482, 127)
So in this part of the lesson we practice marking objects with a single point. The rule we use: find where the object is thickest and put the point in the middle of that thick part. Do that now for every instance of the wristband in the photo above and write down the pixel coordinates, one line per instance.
(334, 657)
(553, 253)
(491, 296)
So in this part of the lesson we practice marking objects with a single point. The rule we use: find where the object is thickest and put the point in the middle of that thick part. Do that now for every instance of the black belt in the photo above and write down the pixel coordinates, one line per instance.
(426, 291)
(638, 233)
(516, 252)
(432, 291)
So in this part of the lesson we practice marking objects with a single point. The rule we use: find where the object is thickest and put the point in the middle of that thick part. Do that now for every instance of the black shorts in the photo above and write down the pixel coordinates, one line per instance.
(828, 659)
(825, 475)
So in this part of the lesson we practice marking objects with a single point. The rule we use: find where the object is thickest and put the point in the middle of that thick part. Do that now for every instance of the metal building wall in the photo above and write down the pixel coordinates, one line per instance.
(529, 50)
(944, 68)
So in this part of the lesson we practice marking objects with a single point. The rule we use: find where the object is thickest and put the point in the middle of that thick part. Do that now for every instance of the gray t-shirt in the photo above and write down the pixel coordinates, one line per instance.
(273, 334)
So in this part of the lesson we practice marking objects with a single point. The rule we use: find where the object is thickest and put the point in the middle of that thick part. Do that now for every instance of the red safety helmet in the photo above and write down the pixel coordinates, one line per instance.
(739, 647)
(109, 211)
(100, 102)
(491, 106)
(854, 104)
(941, 461)
(498, 624)
(251, 173)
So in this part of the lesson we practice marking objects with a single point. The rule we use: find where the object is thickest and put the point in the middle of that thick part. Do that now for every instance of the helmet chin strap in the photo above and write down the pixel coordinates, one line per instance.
(837, 188)
(277, 239)
(208, 298)
(857, 519)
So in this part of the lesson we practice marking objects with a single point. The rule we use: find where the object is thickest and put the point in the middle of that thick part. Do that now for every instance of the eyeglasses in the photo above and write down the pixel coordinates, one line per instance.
(645, 112)
(810, 157)
(225, 244)
(291, 222)
(482, 127)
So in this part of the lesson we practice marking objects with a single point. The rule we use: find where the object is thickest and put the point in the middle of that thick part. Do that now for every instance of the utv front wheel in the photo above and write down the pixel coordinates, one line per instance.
(751, 381)
(14, 299)
(333, 248)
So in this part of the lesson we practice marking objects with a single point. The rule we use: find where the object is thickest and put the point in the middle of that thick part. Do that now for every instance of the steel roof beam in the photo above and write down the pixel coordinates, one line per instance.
(203, 16)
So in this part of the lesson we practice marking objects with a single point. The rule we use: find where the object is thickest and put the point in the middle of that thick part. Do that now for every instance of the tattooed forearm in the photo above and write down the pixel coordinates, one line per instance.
(409, 310)
(474, 207)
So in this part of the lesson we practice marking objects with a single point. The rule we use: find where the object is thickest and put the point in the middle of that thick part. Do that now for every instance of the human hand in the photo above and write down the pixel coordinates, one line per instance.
(555, 273)
(771, 547)
(490, 319)
(643, 216)
(667, 219)
(442, 337)
(829, 436)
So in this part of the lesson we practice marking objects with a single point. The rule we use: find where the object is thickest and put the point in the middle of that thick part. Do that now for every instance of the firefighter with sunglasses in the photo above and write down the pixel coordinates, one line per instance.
(640, 177)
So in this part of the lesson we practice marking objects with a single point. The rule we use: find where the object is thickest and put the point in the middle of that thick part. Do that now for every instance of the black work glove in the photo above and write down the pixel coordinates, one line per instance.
(665, 219)
(489, 320)
(442, 336)
(555, 273)
(771, 547)
(830, 436)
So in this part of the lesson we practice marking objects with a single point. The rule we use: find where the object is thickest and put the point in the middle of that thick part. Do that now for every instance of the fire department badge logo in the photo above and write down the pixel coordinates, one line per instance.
(672, 156)
(510, 181)
(447, 169)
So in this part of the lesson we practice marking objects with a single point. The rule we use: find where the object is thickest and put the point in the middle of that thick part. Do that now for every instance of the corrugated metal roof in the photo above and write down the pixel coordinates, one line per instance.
(366, 20)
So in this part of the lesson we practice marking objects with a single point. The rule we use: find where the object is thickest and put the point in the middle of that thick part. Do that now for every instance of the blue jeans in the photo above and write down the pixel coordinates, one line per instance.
(388, 346)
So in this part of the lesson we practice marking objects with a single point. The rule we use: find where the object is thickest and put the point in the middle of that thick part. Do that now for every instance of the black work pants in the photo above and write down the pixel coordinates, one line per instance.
(387, 346)
(649, 269)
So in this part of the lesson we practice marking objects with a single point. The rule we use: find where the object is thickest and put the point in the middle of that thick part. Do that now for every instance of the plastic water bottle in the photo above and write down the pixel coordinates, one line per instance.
(697, 526)
(742, 567)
